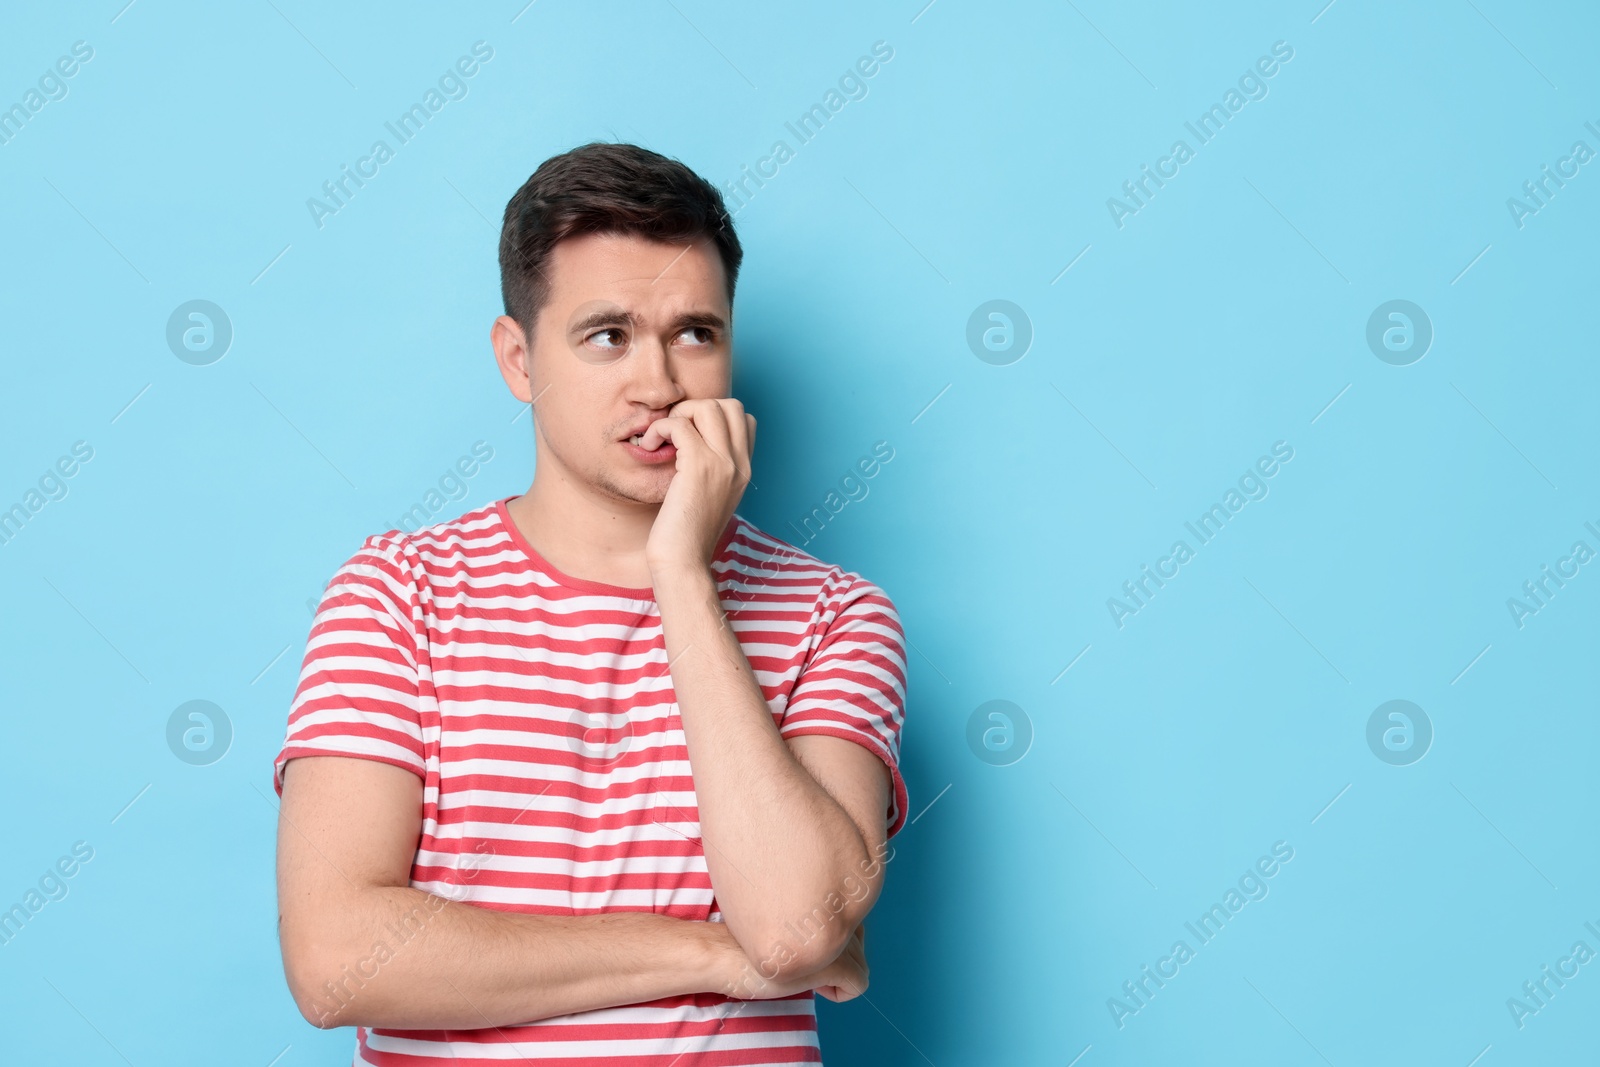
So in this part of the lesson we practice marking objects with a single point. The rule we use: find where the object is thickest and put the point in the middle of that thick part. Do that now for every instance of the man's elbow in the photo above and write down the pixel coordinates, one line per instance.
(808, 929)
(318, 1016)
(786, 954)
(801, 944)
(823, 949)
(303, 978)
(321, 989)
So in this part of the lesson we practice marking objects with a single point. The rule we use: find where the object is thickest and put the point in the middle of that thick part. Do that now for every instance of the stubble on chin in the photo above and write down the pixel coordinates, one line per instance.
(645, 487)
(649, 490)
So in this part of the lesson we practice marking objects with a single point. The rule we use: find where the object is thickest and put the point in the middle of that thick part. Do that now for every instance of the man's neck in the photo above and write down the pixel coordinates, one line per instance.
(584, 533)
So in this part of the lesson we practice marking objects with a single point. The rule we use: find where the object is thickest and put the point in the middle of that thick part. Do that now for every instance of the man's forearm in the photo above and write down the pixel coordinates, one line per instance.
(399, 957)
(777, 844)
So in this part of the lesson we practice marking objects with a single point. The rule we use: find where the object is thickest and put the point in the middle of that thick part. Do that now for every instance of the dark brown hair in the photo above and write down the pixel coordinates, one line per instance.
(605, 188)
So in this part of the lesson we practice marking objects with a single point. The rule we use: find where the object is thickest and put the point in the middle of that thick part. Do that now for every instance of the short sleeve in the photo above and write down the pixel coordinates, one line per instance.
(359, 687)
(854, 685)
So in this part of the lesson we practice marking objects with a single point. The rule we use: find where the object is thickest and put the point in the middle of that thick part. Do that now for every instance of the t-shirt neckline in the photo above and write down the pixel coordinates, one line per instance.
(584, 584)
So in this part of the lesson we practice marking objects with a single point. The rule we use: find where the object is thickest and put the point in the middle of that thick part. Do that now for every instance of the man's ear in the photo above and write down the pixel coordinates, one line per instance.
(511, 353)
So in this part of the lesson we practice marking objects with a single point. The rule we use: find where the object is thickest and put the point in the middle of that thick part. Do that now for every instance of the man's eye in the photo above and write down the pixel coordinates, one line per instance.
(703, 334)
(619, 337)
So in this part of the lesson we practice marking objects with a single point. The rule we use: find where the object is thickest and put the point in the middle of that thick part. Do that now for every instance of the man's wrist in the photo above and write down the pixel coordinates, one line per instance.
(678, 577)
(723, 963)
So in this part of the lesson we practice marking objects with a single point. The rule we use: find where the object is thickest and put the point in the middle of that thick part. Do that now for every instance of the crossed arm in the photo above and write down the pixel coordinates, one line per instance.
(794, 833)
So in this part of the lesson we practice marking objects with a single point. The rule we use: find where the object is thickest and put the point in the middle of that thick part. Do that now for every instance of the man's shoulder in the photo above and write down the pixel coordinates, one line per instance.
(761, 558)
(440, 546)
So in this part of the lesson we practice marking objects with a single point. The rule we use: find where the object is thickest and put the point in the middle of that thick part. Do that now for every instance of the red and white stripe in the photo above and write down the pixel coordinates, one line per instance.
(538, 710)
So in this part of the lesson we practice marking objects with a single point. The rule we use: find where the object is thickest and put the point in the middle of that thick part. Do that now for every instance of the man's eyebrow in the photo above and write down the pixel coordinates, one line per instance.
(603, 317)
(709, 319)
(618, 316)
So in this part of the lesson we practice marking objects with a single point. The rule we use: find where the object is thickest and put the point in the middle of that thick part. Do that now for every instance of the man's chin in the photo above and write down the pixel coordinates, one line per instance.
(642, 488)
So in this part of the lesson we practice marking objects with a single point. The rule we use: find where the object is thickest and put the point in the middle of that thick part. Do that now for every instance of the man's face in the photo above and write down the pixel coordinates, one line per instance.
(632, 327)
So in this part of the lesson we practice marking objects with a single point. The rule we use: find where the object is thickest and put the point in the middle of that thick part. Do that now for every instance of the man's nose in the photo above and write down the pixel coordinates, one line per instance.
(652, 382)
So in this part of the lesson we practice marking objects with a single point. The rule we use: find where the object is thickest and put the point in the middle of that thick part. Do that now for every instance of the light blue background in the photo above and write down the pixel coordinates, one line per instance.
(1223, 317)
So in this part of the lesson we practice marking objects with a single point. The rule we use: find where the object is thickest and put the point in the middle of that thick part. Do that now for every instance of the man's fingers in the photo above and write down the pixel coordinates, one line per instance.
(721, 425)
(710, 421)
(744, 425)
(669, 427)
(740, 430)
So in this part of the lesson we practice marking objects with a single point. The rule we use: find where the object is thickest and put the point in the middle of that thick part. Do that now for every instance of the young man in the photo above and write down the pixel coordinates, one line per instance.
(602, 773)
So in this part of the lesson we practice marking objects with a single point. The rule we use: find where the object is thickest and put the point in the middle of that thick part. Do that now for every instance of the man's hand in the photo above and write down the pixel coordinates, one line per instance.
(846, 977)
(843, 979)
(714, 439)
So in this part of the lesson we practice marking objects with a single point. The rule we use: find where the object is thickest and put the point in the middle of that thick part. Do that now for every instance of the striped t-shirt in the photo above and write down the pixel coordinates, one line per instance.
(538, 710)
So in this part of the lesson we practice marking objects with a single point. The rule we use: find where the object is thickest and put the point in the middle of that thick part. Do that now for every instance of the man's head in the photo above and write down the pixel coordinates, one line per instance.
(617, 268)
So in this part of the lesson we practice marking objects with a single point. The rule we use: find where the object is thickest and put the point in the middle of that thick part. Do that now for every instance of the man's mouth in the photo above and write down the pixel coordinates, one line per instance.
(663, 451)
